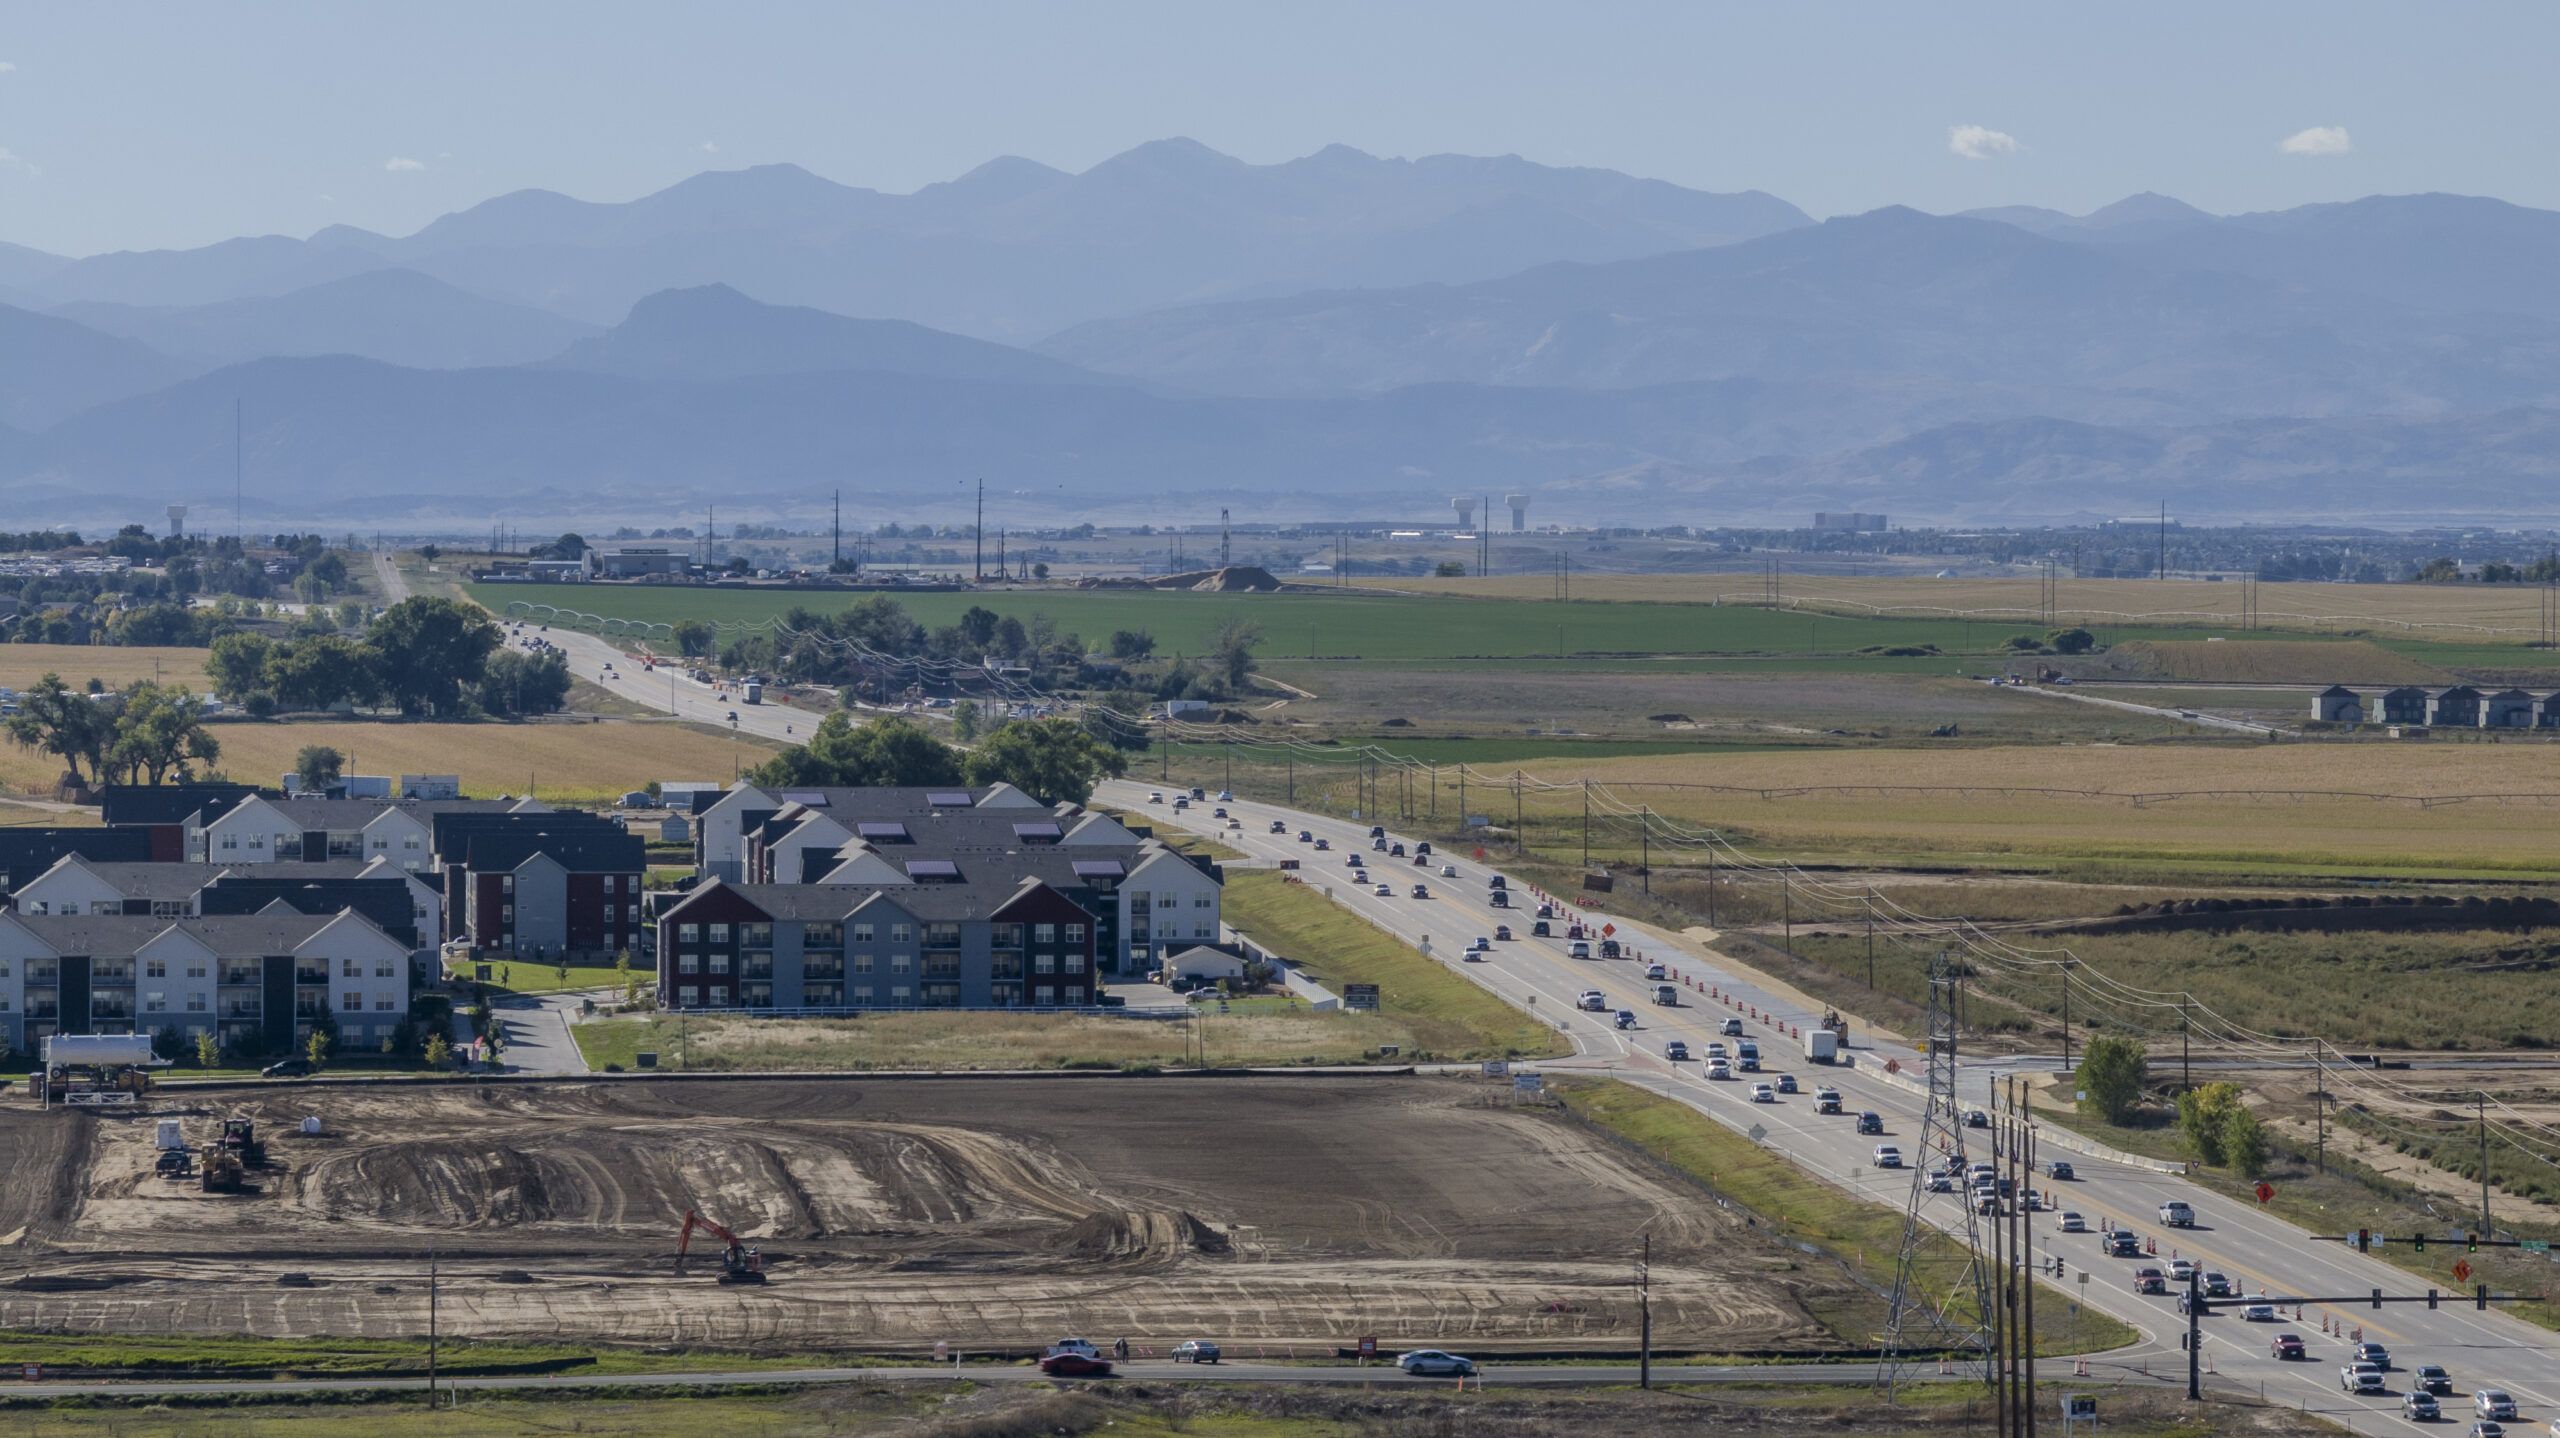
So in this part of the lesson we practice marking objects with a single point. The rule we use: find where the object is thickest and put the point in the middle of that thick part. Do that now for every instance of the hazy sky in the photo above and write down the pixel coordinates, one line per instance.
(130, 126)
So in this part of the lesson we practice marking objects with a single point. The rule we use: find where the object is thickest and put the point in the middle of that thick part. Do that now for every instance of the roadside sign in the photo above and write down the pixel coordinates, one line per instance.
(1893, 1066)
(2462, 1270)
(1368, 1346)
(941, 1349)
(2078, 1406)
(1360, 996)
(2265, 1191)
(646, 1060)
(1479, 853)
(1530, 1084)
(1497, 1068)
(2534, 1245)
(34, 1371)
(1757, 1133)
(1607, 929)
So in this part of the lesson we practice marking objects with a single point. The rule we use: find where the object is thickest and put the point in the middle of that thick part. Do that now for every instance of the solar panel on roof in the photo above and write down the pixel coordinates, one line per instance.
(881, 830)
(1036, 831)
(806, 798)
(950, 799)
(933, 869)
(1100, 869)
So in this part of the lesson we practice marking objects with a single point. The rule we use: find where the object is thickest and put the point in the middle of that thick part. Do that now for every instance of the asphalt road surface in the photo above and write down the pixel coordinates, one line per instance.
(2259, 1253)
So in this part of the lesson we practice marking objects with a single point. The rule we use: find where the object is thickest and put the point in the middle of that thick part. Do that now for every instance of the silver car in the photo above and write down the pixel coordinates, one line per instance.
(1430, 1362)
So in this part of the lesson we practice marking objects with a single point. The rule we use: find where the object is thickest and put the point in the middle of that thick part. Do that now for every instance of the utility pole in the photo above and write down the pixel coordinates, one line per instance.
(1226, 539)
(2066, 1016)
(2320, 1105)
(2186, 1075)
(2480, 1106)
(1586, 823)
(1871, 936)
(432, 1344)
(1711, 878)
(835, 531)
(978, 533)
(239, 468)
(1644, 839)
(1644, 1310)
(2195, 1334)
(1519, 826)
(1786, 913)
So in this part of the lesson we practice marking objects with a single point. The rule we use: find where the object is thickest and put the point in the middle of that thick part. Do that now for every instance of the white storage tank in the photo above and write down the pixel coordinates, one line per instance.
(97, 1050)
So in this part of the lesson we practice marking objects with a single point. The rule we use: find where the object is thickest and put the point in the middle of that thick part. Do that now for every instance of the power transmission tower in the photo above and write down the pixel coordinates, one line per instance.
(1924, 1324)
(1226, 539)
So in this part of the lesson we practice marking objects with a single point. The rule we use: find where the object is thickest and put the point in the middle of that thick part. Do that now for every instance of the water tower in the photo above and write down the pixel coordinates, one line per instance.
(1466, 512)
(177, 520)
(1519, 511)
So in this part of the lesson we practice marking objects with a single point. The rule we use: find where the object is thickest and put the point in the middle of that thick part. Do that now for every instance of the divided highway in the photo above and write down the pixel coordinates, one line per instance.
(2259, 1253)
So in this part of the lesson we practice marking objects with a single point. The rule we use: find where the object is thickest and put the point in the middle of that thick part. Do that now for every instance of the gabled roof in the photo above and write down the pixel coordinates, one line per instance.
(25, 853)
(179, 881)
(828, 903)
(122, 804)
(578, 850)
(228, 936)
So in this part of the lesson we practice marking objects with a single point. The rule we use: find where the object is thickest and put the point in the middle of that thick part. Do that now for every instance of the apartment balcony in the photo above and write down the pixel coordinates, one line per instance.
(941, 968)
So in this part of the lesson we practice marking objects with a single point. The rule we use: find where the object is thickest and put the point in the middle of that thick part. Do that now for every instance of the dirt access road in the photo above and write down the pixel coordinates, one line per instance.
(1267, 1212)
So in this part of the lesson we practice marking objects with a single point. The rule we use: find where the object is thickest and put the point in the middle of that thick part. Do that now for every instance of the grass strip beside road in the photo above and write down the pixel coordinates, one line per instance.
(1257, 1032)
(1449, 1016)
(66, 1355)
(1864, 1235)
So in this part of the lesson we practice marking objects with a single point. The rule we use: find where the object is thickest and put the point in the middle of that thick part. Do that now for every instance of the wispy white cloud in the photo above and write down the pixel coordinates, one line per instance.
(13, 163)
(399, 164)
(2318, 140)
(1976, 142)
(8, 67)
(708, 147)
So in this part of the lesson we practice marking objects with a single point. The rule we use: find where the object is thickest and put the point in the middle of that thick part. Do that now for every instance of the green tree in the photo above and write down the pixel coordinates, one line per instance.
(2110, 1077)
(1449, 569)
(694, 638)
(318, 766)
(629, 980)
(316, 1047)
(439, 1051)
(2071, 641)
(881, 752)
(2204, 1117)
(520, 683)
(1052, 760)
(1231, 651)
(53, 718)
(238, 665)
(2440, 570)
(964, 720)
(159, 732)
(208, 1050)
(437, 646)
(327, 669)
(2244, 1143)
(1132, 644)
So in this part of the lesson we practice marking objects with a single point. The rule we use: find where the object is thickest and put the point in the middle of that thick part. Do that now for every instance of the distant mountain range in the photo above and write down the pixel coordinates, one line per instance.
(1174, 330)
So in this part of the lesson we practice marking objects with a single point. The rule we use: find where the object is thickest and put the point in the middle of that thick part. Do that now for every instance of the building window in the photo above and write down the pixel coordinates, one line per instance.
(155, 968)
(1075, 963)
(719, 963)
(153, 1003)
(687, 933)
(195, 1003)
(194, 971)
(862, 963)
(900, 933)
(719, 933)
(862, 933)
(352, 1001)
(383, 1004)
(1044, 963)
(1045, 995)
(350, 969)
(901, 963)
(1044, 933)
(1075, 933)
(687, 997)
(1165, 901)
(631, 913)
(755, 936)
(688, 964)
(383, 969)
(506, 883)
(231, 841)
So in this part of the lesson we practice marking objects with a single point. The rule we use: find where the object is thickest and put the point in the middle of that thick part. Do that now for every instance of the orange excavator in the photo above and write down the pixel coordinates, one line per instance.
(738, 1263)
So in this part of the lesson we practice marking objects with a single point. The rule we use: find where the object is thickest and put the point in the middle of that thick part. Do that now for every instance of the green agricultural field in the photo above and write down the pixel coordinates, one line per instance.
(1362, 626)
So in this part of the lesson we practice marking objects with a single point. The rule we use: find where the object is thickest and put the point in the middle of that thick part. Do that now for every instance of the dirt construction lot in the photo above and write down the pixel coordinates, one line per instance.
(893, 1214)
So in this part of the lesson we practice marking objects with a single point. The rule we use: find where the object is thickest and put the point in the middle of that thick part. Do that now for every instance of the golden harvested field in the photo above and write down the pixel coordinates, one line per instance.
(24, 664)
(566, 761)
(2459, 613)
(2274, 661)
(2077, 802)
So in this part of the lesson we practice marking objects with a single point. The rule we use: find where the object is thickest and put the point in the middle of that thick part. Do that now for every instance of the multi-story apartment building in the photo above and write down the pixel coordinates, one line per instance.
(758, 947)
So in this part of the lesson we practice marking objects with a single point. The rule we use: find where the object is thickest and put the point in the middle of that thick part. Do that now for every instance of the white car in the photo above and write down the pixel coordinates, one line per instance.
(2182, 1269)
(1762, 1093)
(1385, 891)
(2491, 1402)
(1448, 871)
(2360, 1378)
(1428, 1362)
(1887, 1156)
(1077, 1346)
(2071, 1222)
(2258, 1313)
(1719, 1069)
(1155, 796)
(1592, 1001)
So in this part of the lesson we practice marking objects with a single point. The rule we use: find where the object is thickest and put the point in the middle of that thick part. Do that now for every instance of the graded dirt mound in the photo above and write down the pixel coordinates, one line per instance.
(892, 1214)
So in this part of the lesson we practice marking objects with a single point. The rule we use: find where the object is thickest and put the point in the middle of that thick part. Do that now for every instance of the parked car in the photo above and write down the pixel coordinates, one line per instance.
(1075, 1365)
(1431, 1362)
(1079, 1346)
(288, 1068)
(1195, 1350)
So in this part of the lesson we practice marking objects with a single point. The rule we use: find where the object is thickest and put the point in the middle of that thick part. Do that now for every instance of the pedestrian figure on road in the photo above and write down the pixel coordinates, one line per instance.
(1120, 1349)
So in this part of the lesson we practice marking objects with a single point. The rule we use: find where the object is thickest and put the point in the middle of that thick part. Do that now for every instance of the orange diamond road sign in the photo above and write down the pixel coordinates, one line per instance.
(2462, 1270)
(1893, 1066)
(1607, 929)
(2266, 1191)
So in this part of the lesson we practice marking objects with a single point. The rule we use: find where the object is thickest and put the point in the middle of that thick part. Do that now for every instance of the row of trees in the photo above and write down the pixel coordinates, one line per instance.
(146, 735)
(424, 656)
(2218, 1126)
(1052, 760)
